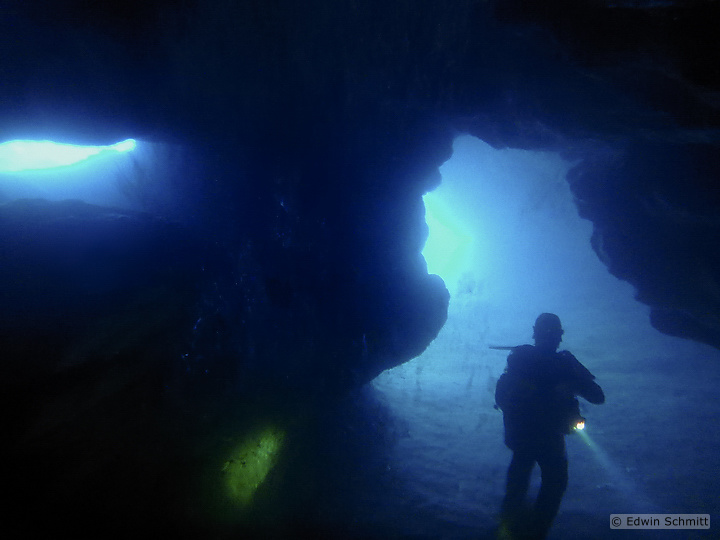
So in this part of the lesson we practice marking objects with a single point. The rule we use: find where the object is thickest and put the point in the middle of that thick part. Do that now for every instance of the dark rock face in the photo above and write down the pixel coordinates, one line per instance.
(66, 267)
(318, 126)
(97, 307)
(134, 350)
(312, 184)
(654, 208)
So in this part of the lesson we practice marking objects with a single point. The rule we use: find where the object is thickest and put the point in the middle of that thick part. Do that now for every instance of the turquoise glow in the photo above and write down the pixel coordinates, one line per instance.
(20, 155)
(447, 248)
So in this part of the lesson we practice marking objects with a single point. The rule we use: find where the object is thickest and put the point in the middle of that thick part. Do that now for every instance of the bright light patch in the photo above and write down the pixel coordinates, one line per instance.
(447, 248)
(16, 156)
(250, 462)
(123, 146)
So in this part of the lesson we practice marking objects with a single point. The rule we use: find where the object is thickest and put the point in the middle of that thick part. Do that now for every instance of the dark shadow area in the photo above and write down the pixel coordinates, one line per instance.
(223, 324)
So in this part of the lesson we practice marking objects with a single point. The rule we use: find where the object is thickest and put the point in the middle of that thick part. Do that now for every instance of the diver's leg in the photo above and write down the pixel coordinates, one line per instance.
(515, 513)
(518, 481)
(554, 469)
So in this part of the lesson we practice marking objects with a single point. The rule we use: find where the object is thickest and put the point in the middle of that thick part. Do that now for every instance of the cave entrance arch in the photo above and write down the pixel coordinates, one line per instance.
(530, 253)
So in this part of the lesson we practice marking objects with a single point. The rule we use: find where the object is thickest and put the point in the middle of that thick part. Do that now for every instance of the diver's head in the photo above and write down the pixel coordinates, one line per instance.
(547, 331)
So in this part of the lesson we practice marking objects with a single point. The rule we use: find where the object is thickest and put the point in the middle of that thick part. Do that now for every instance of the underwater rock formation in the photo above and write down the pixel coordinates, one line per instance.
(134, 349)
(319, 125)
(654, 208)
(342, 112)
(97, 306)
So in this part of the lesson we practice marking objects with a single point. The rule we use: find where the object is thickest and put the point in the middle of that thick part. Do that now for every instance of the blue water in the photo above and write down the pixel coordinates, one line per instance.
(650, 448)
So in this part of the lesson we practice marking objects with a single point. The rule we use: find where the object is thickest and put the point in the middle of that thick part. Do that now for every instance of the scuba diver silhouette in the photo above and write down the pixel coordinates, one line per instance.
(537, 395)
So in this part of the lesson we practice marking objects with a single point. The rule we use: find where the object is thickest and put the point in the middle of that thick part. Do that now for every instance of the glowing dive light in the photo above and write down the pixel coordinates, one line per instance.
(579, 424)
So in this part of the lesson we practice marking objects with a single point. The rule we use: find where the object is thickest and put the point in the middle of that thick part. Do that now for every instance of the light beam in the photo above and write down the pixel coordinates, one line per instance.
(25, 155)
(447, 248)
(250, 462)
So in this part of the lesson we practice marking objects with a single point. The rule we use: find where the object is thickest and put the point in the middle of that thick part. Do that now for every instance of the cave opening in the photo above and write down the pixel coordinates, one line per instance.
(43, 169)
(130, 175)
(529, 253)
(29, 155)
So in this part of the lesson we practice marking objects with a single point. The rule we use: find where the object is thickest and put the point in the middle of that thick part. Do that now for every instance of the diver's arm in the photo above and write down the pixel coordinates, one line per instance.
(584, 384)
(591, 391)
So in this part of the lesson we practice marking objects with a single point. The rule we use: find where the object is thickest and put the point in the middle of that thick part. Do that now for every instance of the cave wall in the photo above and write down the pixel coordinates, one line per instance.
(654, 210)
(293, 104)
(308, 180)
(312, 130)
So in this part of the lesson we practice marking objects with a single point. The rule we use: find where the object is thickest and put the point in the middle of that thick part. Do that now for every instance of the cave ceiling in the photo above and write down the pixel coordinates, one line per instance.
(343, 112)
